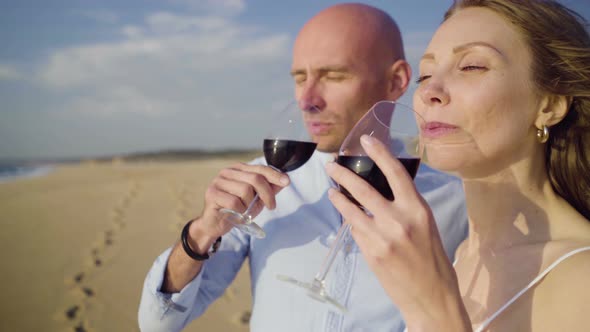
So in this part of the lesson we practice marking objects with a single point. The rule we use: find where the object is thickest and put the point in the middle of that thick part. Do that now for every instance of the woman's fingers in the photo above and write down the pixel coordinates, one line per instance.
(397, 176)
(360, 189)
(351, 213)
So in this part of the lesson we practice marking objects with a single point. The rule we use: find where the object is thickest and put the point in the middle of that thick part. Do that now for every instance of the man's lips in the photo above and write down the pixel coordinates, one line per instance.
(318, 128)
(437, 129)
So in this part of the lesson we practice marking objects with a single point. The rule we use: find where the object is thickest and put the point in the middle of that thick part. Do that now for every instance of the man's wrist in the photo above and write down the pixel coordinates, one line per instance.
(199, 238)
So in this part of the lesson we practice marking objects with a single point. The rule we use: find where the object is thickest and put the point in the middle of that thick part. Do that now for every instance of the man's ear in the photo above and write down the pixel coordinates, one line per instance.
(553, 110)
(399, 79)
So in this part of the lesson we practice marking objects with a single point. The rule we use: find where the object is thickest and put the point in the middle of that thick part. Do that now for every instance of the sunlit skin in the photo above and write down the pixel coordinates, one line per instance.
(477, 97)
(343, 63)
(481, 111)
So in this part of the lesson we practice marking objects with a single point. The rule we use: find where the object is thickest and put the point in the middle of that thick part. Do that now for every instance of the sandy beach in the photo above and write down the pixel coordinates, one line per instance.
(77, 243)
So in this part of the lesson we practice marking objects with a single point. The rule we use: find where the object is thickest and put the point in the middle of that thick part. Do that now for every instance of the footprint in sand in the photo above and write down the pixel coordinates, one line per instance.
(108, 238)
(242, 318)
(184, 210)
(80, 328)
(74, 313)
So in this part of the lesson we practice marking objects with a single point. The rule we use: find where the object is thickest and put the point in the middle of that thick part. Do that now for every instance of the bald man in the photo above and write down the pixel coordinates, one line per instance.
(345, 59)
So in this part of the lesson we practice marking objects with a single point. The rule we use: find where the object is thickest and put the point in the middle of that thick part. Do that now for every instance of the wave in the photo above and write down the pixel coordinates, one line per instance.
(13, 172)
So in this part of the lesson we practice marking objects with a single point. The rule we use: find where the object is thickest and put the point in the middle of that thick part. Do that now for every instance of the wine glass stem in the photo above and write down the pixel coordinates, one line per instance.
(341, 237)
(250, 206)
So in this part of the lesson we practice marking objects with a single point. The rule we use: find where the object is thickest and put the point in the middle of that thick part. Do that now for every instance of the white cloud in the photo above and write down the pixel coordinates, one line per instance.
(132, 31)
(169, 23)
(218, 7)
(195, 61)
(8, 72)
(117, 99)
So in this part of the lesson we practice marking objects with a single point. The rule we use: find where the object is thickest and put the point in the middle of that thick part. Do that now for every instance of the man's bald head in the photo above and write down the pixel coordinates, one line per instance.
(362, 26)
(345, 59)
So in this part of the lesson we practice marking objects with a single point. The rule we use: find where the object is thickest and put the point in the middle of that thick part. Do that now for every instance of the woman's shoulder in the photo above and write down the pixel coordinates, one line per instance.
(569, 257)
(563, 294)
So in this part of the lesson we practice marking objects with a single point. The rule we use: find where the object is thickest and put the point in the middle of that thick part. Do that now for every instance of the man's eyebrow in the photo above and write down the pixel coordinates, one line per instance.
(461, 48)
(427, 56)
(340, 69)
(295, 72)
(325, 69)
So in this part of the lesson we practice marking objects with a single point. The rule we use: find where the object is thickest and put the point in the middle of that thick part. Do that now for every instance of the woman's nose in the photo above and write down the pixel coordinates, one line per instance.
(432, 92)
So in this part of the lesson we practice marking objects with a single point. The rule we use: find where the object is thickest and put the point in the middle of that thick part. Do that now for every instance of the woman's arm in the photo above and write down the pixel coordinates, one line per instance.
(402, 245)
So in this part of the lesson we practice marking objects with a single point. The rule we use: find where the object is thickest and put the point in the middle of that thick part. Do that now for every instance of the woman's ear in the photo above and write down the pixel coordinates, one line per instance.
(399, 79)
(553, 110)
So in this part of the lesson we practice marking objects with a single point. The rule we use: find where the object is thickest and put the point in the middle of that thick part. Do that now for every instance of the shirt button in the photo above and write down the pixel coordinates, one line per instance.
(348, 248)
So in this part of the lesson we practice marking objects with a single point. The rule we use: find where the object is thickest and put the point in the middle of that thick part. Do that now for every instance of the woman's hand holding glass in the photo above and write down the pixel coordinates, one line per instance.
(400, 241)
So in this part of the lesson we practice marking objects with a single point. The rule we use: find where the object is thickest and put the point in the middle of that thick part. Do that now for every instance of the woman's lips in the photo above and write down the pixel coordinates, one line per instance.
(319, 128)
(437, 129)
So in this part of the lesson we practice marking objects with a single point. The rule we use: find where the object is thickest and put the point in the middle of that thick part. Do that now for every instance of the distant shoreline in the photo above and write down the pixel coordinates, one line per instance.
(11, 173)
(11, 170)
(163, 155)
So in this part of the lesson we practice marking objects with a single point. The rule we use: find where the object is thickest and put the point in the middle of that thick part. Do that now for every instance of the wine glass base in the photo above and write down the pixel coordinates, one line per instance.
(244, 223)
(315, 290)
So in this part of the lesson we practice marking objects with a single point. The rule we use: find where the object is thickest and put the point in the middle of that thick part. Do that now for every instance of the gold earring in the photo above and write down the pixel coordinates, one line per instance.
(543, 134)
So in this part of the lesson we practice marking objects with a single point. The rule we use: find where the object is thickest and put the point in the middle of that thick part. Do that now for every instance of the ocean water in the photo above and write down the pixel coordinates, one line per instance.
(10, 172)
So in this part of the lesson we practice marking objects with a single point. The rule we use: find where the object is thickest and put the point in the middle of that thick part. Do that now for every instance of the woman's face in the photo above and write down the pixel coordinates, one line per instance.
(476, 95)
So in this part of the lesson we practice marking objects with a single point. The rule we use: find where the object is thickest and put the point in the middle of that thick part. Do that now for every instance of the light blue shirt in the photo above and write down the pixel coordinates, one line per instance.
(299, 232)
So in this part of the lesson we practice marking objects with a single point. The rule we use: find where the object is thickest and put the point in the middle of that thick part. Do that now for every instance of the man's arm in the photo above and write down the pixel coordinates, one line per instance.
(173, 294)
(181, 268)
(163, 311)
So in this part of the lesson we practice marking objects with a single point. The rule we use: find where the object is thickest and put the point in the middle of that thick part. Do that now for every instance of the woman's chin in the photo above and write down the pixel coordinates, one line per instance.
(445, 162)
(448, 168)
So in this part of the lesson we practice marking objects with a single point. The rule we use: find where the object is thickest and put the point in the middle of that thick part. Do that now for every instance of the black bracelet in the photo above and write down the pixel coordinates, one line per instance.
(187, 247)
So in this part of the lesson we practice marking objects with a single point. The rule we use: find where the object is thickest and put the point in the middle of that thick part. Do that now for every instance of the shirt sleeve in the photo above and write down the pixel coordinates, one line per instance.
(446, 198)
(160, 311)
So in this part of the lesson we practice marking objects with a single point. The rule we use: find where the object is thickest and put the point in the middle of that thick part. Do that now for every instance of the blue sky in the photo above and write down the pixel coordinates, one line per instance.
(86, 78)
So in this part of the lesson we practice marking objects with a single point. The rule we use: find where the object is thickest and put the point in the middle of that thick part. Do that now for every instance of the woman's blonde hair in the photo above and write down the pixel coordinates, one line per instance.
(559, 42)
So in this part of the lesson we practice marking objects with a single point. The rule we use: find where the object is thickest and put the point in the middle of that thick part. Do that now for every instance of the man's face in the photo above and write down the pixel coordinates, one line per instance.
(335, 71)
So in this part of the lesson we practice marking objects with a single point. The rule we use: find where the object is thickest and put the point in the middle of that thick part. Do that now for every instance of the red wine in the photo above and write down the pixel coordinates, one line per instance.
(366, 168)
(287, 155)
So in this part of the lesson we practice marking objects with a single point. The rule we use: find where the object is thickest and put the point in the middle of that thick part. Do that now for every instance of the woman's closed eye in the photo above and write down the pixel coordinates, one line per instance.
(422, 78)
(473, 68)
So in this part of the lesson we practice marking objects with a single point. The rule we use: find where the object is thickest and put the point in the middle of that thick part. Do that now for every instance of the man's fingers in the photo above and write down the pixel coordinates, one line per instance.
(246, 183)
(273, 176)
(222, 199)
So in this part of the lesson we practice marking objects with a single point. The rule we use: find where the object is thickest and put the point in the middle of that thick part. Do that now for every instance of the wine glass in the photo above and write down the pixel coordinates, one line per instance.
(393, 124)
(286, 147)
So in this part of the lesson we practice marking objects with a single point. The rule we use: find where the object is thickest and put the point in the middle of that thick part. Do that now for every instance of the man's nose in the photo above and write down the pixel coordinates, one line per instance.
(311, 98)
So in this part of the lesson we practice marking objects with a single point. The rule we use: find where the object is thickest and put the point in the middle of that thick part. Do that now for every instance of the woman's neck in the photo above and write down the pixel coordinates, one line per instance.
(509, 208)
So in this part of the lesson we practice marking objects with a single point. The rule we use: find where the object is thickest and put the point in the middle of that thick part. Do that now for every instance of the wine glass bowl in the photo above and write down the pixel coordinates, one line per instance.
(286, 147)
(395, 125)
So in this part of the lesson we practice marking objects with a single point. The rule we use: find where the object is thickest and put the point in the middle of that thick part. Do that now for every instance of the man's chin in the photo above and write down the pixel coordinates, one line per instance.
(328, 148)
